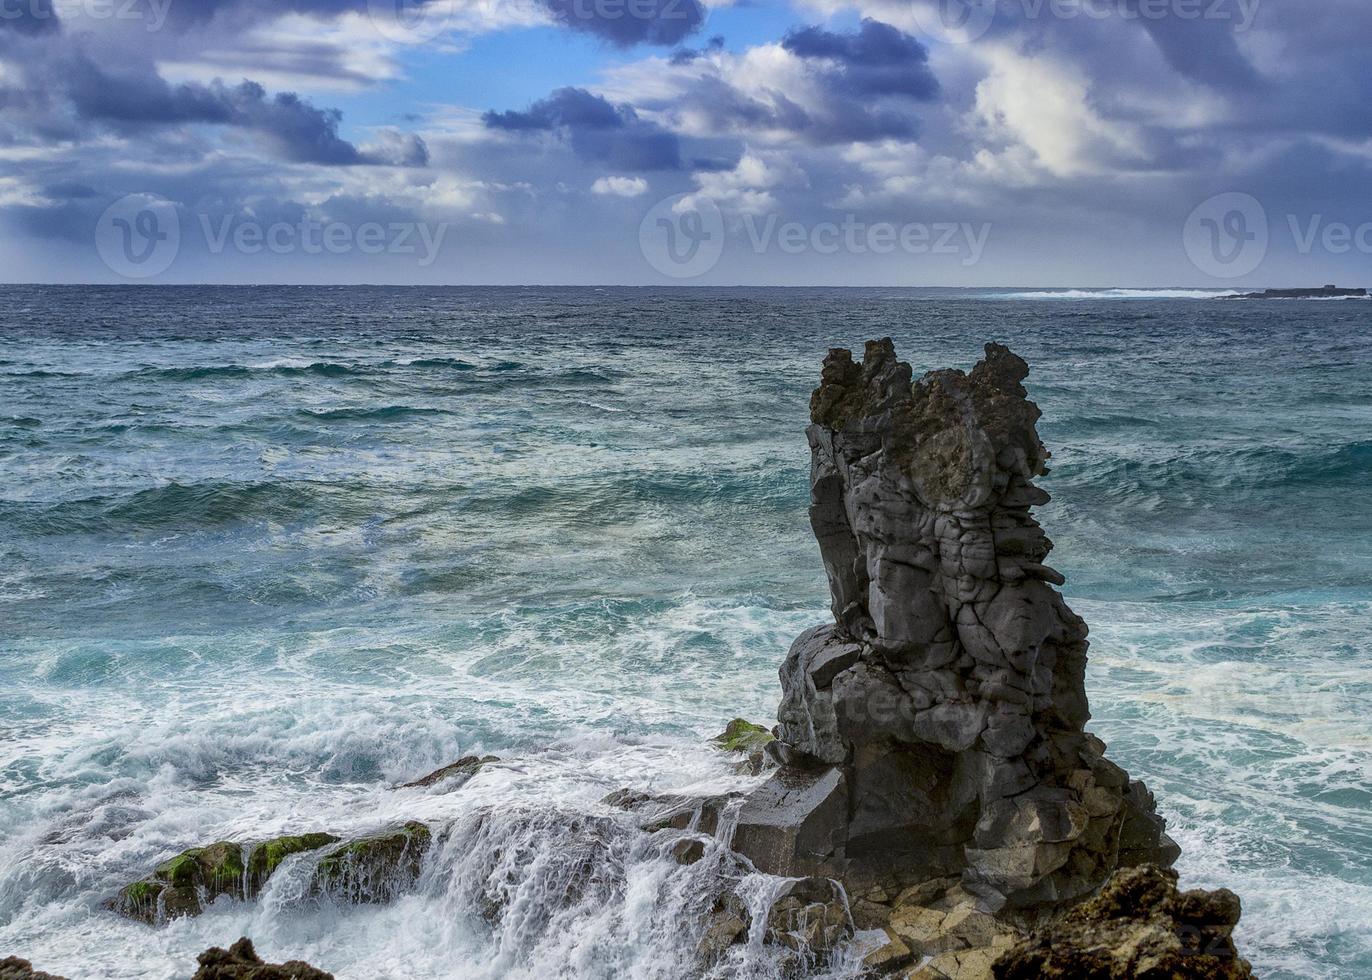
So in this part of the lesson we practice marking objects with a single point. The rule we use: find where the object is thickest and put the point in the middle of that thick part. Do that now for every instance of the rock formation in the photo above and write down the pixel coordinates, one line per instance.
(1138, 925)
(366, 870)
(935, 729)
(241, 962)
(13, 968)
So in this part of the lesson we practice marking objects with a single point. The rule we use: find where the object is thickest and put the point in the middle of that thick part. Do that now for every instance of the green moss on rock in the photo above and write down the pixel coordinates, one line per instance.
(266, 857)
(139, 900)
(743, 736)
(180, 870)
(374, 869)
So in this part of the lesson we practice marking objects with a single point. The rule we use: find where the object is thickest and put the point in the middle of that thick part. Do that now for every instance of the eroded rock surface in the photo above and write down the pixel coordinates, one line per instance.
(241, 962)
(1138, 925)
(936, 728)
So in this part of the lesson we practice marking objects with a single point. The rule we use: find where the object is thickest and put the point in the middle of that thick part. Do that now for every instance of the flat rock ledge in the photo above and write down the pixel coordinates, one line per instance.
(931, 747)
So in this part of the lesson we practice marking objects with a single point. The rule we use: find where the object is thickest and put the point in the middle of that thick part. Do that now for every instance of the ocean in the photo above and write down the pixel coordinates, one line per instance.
(267, 552)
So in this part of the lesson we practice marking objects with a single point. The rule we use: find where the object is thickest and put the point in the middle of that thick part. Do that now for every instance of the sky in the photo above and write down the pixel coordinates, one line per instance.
(1148, 143)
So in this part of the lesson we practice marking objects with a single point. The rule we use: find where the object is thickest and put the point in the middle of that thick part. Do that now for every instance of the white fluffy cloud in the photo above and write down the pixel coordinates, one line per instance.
(620, 186)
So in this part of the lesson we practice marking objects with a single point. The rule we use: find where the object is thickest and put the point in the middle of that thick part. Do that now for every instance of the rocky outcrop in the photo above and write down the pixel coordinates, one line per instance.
(13, 968)
(369, 869)
(456, 774)
(936, 728)
(241, 962)
(1138, 925)
(373, 870)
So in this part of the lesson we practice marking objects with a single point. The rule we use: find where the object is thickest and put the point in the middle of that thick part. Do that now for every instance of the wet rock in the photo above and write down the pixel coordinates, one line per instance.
(688, 850)
(13, 968)
(936, 726)
(1138, 927)
(265, 858)
(726, 925)
(241, 962)
(795, 823)
(890, 954)
(742, 736)
(373, 870)
(810, 915)
(181, 886)
(457, 773)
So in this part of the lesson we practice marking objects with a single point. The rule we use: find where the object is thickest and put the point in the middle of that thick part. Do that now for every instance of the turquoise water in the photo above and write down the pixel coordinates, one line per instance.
(265, 553)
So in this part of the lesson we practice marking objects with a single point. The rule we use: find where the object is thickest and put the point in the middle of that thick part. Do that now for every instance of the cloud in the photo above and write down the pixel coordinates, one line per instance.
(876, 60)
(815, 87)
(596, 130)
(1044, 105)
(625, 23)
(620, 186)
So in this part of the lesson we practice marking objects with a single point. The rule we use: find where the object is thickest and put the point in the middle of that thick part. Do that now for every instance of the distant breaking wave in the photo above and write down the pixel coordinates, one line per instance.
(1119, 294)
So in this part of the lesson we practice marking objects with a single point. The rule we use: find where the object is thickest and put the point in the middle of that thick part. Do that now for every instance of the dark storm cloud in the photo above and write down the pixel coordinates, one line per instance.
(297, 130)
(596, 130)
(70, 90)
(1203, 50)
(625, 23)
(877, 59)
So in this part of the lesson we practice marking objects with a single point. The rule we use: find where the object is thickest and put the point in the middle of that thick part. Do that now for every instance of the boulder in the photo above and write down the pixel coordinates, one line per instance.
(241, 962)
(180, 886)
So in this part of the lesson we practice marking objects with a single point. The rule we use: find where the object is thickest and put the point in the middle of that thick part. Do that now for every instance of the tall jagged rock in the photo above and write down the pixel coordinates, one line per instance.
(936, 727)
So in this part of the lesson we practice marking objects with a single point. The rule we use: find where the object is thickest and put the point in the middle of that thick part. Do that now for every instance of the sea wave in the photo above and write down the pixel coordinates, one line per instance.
(1037, 294)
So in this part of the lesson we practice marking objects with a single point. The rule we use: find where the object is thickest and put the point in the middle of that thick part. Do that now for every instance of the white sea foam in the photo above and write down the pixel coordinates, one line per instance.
(1037, 294)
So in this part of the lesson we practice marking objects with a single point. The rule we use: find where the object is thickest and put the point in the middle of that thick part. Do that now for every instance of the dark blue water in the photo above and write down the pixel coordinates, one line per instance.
(264, 552)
